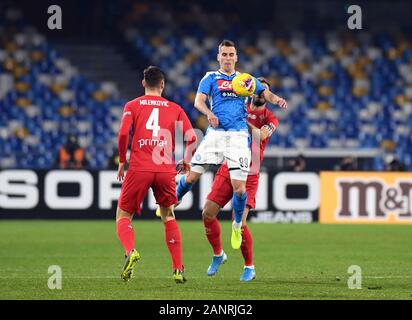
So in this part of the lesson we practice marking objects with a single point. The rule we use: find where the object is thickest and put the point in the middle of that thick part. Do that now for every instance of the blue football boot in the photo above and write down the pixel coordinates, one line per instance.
(248, 274)
(216, 262)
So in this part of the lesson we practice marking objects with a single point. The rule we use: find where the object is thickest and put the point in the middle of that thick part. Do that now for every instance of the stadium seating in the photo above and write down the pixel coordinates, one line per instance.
(344, 90)
(43, 99)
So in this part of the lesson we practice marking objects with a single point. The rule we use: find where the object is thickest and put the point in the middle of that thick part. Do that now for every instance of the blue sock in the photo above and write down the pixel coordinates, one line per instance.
(182, 188)
(239, 205)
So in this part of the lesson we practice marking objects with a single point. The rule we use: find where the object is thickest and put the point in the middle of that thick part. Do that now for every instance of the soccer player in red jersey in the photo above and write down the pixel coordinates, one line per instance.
(153, 120)
(259, 117)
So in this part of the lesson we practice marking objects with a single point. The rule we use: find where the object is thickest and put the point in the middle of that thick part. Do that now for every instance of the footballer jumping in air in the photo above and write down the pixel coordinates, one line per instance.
(227, 137)
(259, 117)
(153, 120)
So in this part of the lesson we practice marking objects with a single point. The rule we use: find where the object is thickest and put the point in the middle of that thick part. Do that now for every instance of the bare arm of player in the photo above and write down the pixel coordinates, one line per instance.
(274, 99)
(200, 104)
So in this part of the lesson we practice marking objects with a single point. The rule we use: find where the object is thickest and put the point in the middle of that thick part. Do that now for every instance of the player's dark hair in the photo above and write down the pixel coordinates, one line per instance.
(226, 43)
(263, 80)
(153, 76)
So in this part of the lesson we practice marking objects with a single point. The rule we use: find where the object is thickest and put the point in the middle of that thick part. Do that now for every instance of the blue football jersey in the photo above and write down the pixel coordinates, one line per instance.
(227, 106)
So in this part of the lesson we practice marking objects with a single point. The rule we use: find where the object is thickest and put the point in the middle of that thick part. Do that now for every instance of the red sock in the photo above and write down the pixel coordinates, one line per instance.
(125, 233)
(246, 246)
(174, 243)
(212, 228)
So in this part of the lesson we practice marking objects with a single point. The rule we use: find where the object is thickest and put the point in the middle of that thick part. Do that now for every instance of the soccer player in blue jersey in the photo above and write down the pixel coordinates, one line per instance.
(227, 136)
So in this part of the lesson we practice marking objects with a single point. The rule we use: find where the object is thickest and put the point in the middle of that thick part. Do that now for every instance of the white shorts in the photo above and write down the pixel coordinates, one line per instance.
(219, 145)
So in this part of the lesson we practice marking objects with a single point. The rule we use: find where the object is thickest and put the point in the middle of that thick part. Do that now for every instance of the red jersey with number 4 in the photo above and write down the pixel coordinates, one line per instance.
(153, 120)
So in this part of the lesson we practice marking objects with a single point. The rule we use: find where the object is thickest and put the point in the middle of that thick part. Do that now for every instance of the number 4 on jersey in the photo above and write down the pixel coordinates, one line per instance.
(153, 122)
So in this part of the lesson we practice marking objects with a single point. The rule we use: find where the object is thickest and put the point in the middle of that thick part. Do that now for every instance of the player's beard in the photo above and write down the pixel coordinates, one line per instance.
(259, 101)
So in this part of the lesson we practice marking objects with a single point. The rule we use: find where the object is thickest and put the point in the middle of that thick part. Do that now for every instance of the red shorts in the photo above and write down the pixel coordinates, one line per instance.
(137, 183)
(222, 191)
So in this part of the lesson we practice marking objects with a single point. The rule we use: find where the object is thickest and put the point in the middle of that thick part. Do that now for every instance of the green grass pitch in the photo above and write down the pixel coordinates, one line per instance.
(292, 262)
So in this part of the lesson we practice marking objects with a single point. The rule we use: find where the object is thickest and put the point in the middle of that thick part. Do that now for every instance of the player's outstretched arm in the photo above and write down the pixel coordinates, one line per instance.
(200, 104)
(274, 99)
